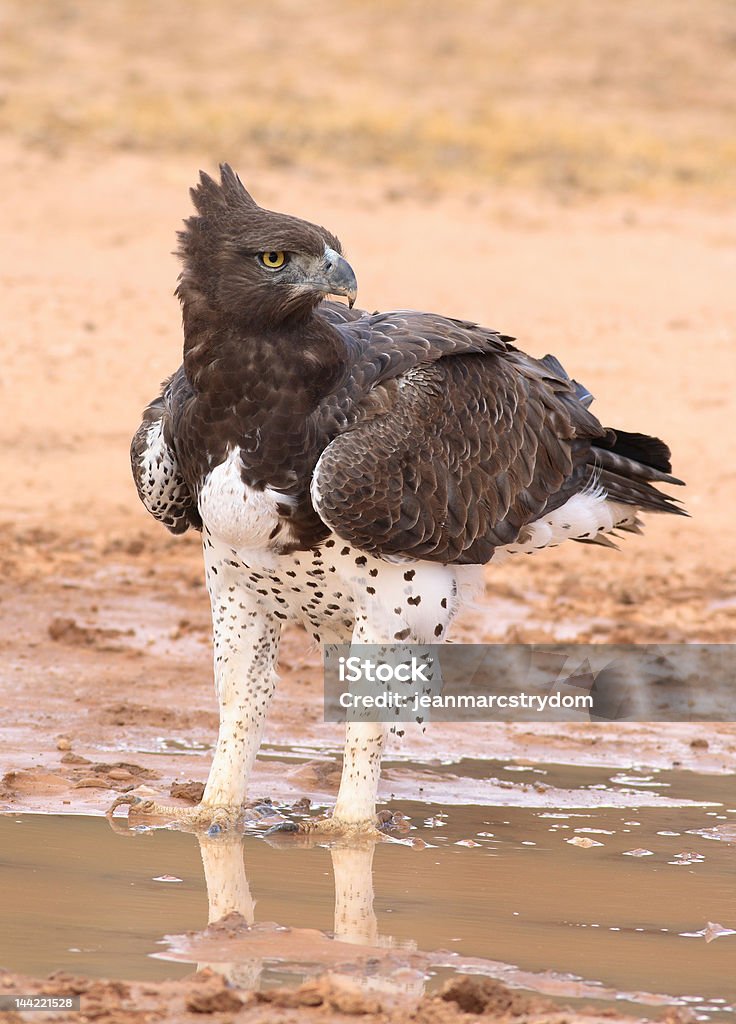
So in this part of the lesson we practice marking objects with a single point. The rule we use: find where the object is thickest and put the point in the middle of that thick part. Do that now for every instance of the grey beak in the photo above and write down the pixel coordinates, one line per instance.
(339, 276)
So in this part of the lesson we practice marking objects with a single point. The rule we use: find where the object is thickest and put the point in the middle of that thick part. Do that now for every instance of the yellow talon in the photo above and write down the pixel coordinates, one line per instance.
(202, 818)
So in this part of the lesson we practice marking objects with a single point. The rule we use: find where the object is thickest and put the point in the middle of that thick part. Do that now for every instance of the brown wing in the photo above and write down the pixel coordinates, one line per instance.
(453, 458)
(453, 441)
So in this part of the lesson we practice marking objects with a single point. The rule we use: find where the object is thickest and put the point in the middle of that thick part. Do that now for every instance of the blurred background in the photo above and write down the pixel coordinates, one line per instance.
(572, 97)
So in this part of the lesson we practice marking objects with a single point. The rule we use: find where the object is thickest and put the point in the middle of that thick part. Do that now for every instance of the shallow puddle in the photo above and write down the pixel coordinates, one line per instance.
(634, 905)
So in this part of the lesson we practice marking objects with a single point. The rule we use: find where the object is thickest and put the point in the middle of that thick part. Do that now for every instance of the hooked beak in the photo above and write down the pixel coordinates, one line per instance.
(338, 277)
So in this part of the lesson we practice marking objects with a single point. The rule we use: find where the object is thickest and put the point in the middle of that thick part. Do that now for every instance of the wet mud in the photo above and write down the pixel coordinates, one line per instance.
(620, 902)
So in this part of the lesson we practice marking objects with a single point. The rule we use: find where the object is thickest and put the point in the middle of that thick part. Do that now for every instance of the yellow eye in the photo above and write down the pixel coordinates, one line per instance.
(273, 260)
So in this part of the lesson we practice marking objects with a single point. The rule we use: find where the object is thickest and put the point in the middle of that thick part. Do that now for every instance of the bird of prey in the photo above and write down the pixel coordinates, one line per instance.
(353, 471)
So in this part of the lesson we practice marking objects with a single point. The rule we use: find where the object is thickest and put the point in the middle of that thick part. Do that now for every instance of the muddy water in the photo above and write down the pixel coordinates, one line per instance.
(496, 890)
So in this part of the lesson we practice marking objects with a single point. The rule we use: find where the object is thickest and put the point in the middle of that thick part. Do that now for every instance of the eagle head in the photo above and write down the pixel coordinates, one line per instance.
(247, 262)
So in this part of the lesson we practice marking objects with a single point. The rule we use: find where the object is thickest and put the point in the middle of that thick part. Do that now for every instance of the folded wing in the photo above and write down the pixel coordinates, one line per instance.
(455, 441)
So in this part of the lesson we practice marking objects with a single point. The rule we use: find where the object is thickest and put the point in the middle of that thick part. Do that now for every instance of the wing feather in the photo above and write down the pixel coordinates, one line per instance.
(452, 441)
(154, 462)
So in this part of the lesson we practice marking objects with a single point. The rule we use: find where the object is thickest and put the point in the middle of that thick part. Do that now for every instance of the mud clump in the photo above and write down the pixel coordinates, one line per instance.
(123, 713)
(212, 995)
(324, 992)
(92, 782)
(488, 997)
(68, 631)
(190, 791)
(32, 780)
(317, 774)
(699, 743)
(230, 926)
(71, 758)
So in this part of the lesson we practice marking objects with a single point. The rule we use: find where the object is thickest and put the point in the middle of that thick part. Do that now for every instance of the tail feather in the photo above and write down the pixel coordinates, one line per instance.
(636, 490)
(625, 464)
(601, 539)
(641, 448)
(634, 526)
(614, 461)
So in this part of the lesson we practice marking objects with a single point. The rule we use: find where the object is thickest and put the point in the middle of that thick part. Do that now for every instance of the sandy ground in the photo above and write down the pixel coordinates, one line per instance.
(624, 269)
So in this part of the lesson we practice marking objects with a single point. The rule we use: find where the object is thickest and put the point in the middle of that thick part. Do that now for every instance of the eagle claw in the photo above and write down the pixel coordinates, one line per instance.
(283, 826)
(209, 818)
(384, 824)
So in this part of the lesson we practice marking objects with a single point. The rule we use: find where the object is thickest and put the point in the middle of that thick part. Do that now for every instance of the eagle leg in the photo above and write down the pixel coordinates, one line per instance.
(387, 617)
(354, 816)
(355, 807)
(246, 643)
(407, 605)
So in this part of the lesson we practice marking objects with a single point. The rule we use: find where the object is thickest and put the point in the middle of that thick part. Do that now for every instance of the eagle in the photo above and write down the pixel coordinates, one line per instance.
(353, 471)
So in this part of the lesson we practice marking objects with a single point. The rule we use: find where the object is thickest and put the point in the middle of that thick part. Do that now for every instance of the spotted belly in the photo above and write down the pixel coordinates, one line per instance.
(338, 592)
(334, 589)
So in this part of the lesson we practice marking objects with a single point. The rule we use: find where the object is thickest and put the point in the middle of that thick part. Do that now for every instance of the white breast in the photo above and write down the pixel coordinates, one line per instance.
(241, 516)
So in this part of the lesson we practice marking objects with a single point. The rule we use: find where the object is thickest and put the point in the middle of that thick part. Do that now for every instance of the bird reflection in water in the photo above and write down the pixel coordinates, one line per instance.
(230, 899)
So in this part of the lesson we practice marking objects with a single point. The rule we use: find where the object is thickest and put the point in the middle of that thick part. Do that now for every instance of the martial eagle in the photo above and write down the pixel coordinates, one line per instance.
(352, 471)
